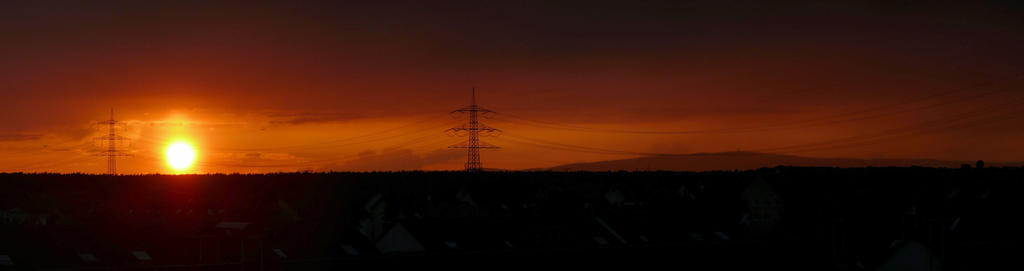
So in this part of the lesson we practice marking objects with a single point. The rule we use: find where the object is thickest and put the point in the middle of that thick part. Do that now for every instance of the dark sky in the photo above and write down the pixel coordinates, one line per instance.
(911, 79)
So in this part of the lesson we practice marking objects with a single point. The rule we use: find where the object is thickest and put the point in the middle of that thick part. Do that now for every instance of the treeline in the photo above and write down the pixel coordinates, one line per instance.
(821, 216)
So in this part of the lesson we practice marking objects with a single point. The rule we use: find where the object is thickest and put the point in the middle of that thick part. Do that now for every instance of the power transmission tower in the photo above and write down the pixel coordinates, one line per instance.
(474, 129)
(112, 140)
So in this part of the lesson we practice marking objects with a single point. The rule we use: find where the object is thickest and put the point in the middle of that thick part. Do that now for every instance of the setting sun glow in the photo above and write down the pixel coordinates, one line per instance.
(180, 155)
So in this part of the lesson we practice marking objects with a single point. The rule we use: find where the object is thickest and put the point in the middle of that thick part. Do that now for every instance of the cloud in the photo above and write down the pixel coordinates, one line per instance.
(311, 118)
(172, 123)
(396, 159)
(254, 158)
(670, 147)
(20, 137)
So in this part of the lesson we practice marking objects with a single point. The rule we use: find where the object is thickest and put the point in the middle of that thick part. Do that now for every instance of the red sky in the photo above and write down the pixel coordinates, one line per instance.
(282, 87)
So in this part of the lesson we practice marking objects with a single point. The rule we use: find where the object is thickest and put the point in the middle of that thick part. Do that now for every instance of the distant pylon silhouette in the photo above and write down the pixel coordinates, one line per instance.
(474, 129)
(112, 140)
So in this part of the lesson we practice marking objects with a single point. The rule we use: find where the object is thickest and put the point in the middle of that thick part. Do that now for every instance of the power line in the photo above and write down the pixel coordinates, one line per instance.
(413, 142)
(963, 120)
(338, 143)
(41, 165)
(832, 119)
(374, 136)
(380, 136)
(569, 147)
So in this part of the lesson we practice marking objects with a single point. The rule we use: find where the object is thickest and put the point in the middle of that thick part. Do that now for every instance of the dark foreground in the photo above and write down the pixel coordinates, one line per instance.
(797, 218)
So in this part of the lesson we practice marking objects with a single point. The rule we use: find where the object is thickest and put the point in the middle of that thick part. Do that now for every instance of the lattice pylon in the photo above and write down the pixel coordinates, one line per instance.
(112, 140)
(474, 128)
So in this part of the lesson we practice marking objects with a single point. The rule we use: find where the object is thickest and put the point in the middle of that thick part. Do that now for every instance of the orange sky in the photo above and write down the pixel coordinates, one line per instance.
(280, 87)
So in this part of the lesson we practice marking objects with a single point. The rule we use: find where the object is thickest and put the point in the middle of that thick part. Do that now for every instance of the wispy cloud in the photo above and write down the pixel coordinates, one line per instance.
(151, 123)
(20, 137)
(311, 118)
(396, 159)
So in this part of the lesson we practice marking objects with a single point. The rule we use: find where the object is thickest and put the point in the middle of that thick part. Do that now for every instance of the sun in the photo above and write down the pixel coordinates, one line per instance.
(180, 155)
